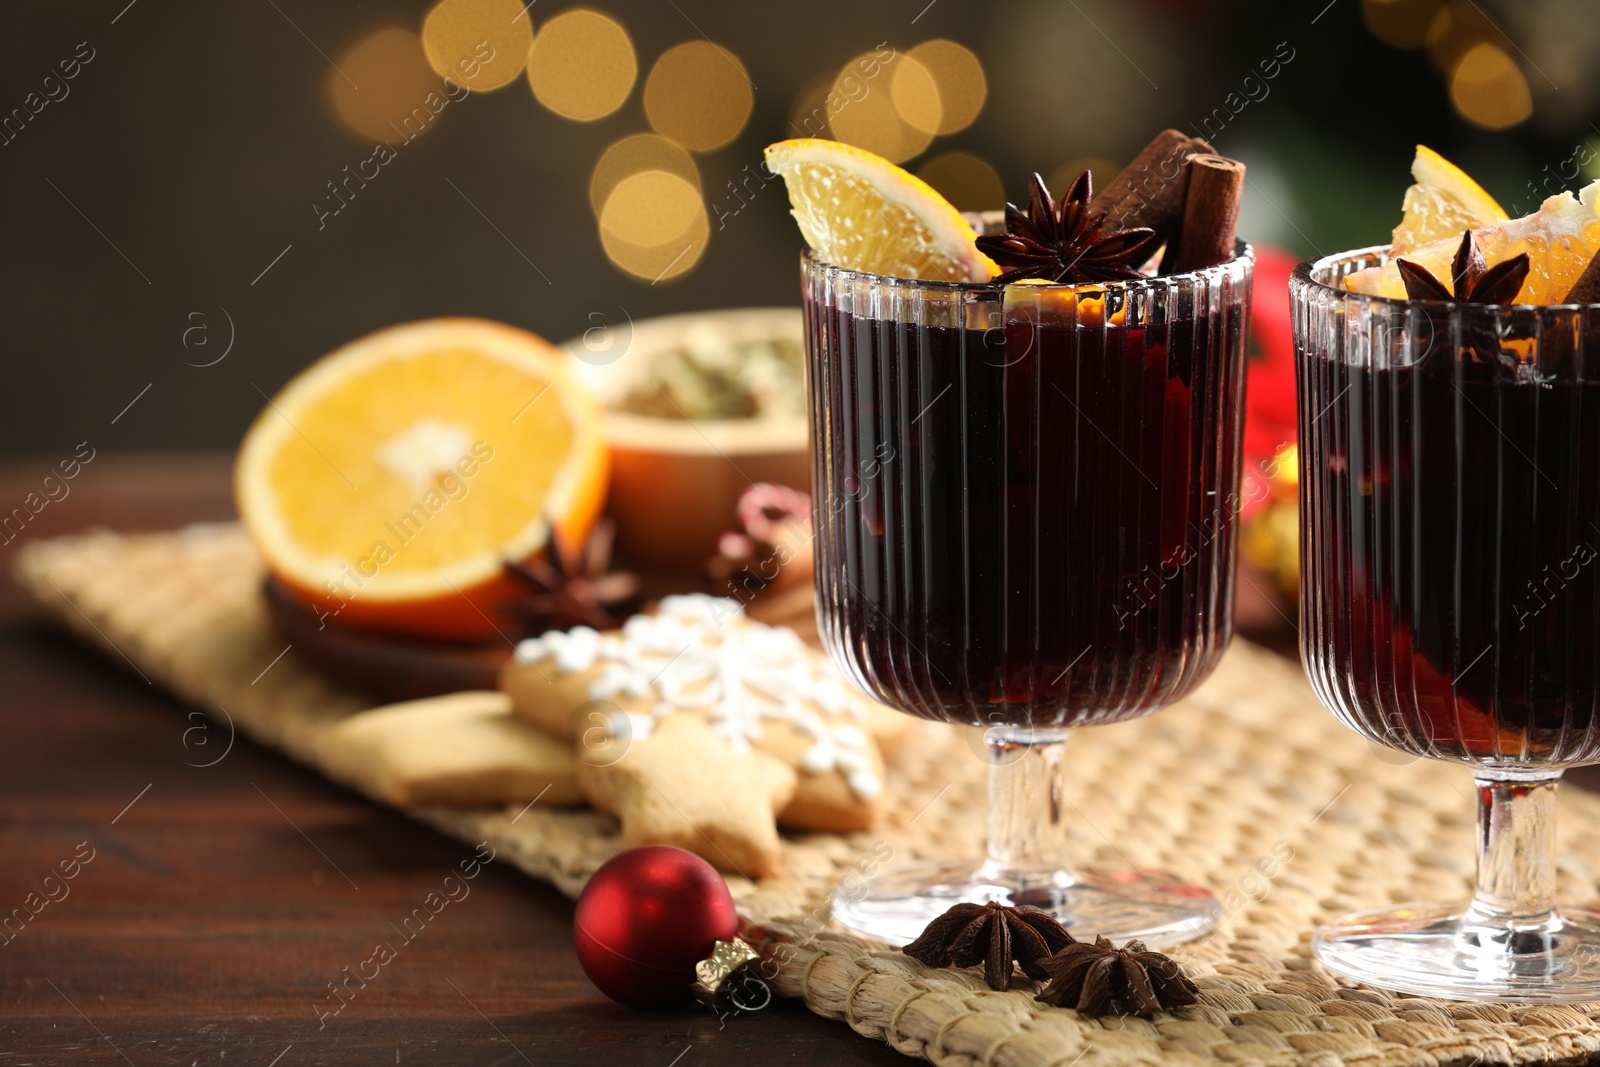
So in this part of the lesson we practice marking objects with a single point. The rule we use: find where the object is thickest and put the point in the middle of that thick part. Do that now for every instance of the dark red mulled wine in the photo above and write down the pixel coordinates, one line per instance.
(1450, 526)
(1025, 507)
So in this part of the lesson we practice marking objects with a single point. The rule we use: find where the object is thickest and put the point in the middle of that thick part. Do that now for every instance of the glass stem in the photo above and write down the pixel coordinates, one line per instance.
(1516, 886)
(1025, 805)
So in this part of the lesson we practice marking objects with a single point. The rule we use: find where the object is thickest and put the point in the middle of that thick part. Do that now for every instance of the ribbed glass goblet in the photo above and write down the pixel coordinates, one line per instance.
(1450, 513)
(1024, 501)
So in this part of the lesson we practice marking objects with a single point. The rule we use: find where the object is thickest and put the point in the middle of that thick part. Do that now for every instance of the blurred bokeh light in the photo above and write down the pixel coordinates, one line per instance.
(1455, 29)
(967, 181)
(958, 80)
(582, 65)
(1400, 23)
(699, 95)
(380, 87)
(458, 35)
(809, 116)
(633, 155)
(865, 115)
(915, 95)
(654, 225)
(1488, 88)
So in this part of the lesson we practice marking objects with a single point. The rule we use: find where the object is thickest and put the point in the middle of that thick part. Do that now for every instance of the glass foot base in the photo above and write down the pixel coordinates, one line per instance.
(898, 903)
(1441, 952)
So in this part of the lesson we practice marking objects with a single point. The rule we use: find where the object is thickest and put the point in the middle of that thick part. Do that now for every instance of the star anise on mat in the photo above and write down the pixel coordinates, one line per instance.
(1065, 242)
(569, 587)
(1100, 978)
(995, 935)
(1475, 281)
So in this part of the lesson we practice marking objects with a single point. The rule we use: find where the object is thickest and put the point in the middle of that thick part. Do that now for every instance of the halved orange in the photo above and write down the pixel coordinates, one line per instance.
(388, 484)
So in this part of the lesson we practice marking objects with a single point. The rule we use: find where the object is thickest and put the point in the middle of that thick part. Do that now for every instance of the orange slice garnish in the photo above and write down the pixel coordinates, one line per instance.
(1560, 239)
(859, 211)
(1443, 203)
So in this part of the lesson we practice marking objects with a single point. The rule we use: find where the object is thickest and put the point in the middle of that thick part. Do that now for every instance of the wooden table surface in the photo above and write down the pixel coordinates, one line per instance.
(213, 914)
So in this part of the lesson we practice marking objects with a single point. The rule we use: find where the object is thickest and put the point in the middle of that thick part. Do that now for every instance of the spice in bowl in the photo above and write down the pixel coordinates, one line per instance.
(713, 374)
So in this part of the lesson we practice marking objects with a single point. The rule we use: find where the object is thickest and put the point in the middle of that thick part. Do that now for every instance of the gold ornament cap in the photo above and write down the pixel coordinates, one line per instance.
(728, 981)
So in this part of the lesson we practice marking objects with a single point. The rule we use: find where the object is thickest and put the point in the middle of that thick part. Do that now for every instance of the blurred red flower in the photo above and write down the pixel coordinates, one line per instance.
(1269, 405)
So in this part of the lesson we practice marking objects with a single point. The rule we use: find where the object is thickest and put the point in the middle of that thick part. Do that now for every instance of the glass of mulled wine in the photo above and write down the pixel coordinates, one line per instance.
(1450, 518)
(1025, 501)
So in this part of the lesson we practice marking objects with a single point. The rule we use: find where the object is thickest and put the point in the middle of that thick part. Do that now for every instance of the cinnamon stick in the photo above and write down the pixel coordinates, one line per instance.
(1150, 190)
(1210, 215)
(1586, 290)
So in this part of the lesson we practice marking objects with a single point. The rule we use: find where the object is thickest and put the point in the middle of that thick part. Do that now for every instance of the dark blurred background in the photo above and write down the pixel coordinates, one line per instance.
(187, 185)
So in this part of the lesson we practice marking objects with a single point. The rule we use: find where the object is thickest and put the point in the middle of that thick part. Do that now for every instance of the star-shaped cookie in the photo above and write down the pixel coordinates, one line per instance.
(757, 686)
(683, 784)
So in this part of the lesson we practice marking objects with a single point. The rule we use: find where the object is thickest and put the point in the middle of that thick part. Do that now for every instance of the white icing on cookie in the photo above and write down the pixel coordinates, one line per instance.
(573, 650)
(700, 653)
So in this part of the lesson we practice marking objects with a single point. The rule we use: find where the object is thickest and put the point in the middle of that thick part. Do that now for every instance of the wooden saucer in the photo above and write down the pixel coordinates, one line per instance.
(388, 667)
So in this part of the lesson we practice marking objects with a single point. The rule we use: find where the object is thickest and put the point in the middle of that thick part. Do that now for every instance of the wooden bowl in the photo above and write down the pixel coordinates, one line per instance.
(386, 666)
(675, 484)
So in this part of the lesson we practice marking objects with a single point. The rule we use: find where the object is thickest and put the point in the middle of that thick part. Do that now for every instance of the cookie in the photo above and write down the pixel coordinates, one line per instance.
(462, 750)
(757, 686)
(839, 774)
(684, 784)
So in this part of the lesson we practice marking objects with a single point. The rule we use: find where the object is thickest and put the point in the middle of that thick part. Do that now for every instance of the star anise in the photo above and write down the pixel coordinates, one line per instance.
(1065, 242)
(1100, 978)
(1475, 281)
(994, 934)
(569, 587)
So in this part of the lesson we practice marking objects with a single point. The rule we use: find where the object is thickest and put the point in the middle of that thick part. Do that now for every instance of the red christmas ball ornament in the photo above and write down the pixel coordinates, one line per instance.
(645, 919)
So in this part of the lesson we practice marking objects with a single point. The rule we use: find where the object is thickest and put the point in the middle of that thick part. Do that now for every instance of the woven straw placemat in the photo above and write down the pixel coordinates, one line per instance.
(1248, 787)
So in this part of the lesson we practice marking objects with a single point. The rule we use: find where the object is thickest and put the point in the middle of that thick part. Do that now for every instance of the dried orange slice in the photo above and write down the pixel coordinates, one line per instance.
(1444, 203)
(859, 211)
(389, 482)
(1560, 239)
